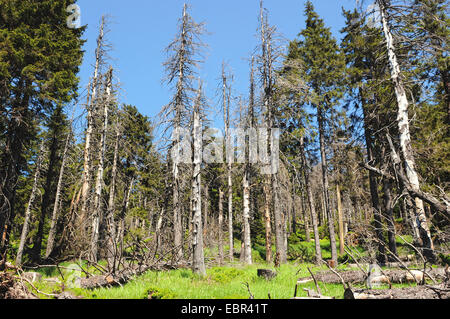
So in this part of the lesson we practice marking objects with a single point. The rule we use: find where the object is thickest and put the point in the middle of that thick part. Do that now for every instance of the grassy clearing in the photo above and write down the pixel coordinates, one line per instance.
(226, 282)
(220, 283)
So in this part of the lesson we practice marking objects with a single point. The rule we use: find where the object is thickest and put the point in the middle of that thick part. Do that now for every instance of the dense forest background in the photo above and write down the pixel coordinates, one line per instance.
(363, 148)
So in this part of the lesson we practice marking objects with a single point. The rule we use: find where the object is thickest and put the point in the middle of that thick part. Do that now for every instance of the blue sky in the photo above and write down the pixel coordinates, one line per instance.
(141, 29)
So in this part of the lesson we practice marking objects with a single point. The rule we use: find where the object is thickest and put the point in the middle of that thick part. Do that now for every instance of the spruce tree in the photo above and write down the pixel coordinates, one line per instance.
(39, 60)
(323, 66)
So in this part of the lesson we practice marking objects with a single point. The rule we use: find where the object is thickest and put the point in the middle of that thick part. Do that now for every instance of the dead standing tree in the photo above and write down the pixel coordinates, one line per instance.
(198, 258)
(91, 132)
(403, 126)
(226, 100)
(183, 59)
(270, 52)
(97, 215)
(249, 123)
(111, 246)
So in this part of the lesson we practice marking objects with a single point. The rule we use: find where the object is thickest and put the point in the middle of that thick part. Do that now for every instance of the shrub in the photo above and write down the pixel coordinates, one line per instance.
(158, 293)
(225, 275)
(302, 251)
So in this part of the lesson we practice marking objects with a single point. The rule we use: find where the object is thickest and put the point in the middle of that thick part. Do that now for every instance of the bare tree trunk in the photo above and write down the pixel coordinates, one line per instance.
(230, 215)
(247, 253)
(405, 137)
(97, 215)
(323, 215)
(226, 116)
(205, 215)
(158, 229)
(268, 59)
(341, 222)
(110, 223)
(34, 190)
(220, 241)
(310, 197)
(326, 185)
(389, 213)
(88, 147)
(198, 260)
(306, 220)
(280, 222)
(121, 227)
(312, 209)
(268, 220)
(376, 208)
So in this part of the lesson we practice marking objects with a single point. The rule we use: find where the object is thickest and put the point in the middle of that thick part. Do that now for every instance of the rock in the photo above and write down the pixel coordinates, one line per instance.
(33, 276)
(267, 274)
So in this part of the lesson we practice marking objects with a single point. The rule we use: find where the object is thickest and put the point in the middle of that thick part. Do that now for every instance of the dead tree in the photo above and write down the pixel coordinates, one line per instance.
(340, 221)
(97, 214)
(87, 167)
(249, 123)
(226, 100)
(269, 55)
(109, 218)
(183, 58)
(403, 127)
(198, 259)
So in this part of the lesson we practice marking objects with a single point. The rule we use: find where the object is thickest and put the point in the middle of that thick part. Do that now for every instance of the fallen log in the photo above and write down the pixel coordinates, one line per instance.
(392, 275)
(119, 278)
(420, 292)
(109, 280)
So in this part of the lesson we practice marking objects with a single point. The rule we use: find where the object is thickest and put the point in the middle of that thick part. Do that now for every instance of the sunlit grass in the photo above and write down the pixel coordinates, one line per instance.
(219, 283)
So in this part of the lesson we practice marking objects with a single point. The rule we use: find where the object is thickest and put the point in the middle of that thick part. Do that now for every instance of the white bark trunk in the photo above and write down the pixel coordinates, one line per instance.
(226, 116)
(198, 262)
(97, 213)
(403, 126)
(110, 222)
(341, 222)
(220, 244)
(247, 253)
(87, 178)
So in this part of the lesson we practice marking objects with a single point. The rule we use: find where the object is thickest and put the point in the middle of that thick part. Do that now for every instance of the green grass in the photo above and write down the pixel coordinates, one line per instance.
(220, 283)
(226, 282)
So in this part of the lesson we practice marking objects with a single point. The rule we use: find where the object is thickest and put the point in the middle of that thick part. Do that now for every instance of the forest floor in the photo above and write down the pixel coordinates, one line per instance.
(231, 281)
(228, 282)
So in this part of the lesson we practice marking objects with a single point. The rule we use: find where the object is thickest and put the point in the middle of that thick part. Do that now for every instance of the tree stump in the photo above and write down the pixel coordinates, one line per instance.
(267, 274)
